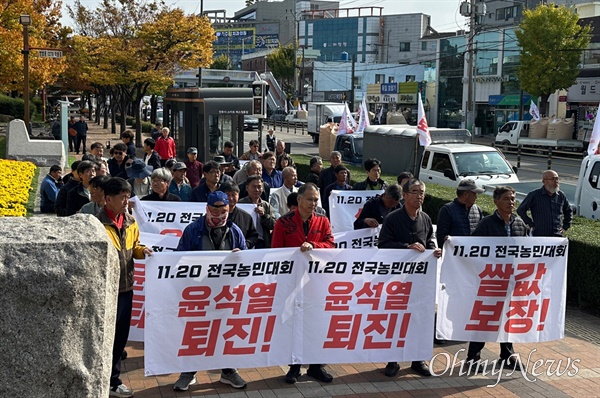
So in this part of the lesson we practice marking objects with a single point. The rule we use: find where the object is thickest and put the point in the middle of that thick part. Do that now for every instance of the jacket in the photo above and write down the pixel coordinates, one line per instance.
(60, 206)
(494, 225)
(127, 242)
(267, 221)
(166, 148)
(365, 186)
(48, 193)
(152, 160)
(76, 198)
(192, 237)
(289, 231)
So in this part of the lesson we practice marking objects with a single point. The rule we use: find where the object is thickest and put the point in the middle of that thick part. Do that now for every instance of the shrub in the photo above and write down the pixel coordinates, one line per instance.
(12, 106)
(146, 127)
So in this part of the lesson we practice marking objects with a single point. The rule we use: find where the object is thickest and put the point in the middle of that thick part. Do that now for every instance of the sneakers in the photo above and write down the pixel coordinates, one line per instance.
(123, 355)
(318, 372)
(233, 379)
(293, 374)
(391, 369)
(120, 391)
(186, 379)
(511, 363)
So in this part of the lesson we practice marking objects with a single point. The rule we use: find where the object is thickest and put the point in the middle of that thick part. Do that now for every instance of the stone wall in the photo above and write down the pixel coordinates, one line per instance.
(58, 289)
(40, 152)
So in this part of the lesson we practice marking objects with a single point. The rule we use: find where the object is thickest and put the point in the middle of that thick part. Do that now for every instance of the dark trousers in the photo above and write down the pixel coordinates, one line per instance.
(226, 371)
(72, 143)
(80, 140)
(475, 347)
(124, 304)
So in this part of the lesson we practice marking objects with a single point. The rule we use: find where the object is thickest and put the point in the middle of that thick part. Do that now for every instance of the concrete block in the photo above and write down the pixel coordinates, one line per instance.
(40, 152)
(59, 283)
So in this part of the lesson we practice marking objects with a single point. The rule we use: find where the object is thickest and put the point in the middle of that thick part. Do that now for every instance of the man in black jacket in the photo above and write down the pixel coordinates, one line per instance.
(60, 206)
(502, 223)
(409, 228)
(80, 195)
(375, 210)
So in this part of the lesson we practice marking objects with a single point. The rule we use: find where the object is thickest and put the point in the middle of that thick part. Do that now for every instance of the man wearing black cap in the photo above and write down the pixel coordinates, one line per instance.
(223, 167)
(212, 231)
(194, 167)
(234, 163)
(461, 216)
(178, 185)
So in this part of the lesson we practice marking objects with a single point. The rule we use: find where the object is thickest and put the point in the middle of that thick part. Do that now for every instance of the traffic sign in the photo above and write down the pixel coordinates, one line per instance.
(50, 53)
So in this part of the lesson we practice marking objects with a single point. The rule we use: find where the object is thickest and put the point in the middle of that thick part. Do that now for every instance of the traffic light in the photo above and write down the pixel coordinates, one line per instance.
(260, 90)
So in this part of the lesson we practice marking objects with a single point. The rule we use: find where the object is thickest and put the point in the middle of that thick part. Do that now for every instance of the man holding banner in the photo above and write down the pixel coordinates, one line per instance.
(502, 223)
(212, 231)
(409, 228)
(308, 230)
(375, 209)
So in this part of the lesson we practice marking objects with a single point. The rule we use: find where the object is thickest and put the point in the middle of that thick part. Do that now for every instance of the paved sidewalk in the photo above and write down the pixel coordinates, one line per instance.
(366, 380)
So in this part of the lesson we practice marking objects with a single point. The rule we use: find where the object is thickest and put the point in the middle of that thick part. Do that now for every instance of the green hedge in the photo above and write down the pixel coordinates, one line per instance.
(146, 127)
(12, 106)
(583, 269)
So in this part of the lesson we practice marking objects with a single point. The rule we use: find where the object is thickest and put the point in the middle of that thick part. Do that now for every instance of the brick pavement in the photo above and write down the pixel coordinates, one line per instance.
(366, 380)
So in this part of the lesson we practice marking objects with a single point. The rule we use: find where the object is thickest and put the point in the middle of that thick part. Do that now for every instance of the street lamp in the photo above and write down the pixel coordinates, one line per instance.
(25, 20)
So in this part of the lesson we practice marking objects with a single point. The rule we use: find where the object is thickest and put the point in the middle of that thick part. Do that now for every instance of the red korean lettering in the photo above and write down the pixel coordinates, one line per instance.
(372, 293)
(520, 316)
(492, 288)
(195, 300)
(343, 331)
(261, 297)
(339, 296)
(238, 330)
(200, 338)
(138, 313)
(501, 271)
(398, 294)
(487, 317)
(232, 298)
(382, 325)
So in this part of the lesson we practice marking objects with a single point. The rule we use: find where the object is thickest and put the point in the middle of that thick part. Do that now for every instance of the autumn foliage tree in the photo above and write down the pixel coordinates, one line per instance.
(45, 31)
(132, 46)
(283, 66)
(551, 44)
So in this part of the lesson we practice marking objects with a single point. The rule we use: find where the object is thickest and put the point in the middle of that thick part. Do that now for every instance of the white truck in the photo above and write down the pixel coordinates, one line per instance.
(516, 132)
(296, 116)
(448, 160)
(320, 113)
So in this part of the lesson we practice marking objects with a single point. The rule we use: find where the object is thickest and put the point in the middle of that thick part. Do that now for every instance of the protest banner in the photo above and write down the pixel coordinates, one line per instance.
(359, 239)
(345, 207)
(256, 308)
(506, 289)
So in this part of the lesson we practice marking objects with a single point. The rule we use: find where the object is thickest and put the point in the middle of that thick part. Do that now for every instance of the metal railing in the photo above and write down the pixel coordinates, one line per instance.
(549, 153)
(288, 127)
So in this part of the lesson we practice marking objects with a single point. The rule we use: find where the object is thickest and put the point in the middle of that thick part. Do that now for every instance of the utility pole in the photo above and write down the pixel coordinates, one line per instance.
(471, 50)
(352, 94)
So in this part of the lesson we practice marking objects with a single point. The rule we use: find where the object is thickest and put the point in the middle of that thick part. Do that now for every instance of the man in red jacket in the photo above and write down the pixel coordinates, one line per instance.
(165, 146)
(307, 230)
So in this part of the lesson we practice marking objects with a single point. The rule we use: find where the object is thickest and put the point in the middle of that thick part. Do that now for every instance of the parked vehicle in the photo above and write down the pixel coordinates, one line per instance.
(320, 113)
(295, 116)
(587, 192)
(278, 115)
(250, 123)
(449, 159)
(517, 133)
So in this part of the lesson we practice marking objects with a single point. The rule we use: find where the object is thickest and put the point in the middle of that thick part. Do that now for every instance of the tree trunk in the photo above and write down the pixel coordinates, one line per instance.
(544, 105)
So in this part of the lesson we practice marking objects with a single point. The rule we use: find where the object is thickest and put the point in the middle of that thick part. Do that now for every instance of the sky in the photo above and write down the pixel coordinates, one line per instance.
(444, 13)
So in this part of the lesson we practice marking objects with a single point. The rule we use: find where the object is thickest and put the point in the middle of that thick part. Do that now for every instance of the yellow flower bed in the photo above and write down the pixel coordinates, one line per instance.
(15, 182)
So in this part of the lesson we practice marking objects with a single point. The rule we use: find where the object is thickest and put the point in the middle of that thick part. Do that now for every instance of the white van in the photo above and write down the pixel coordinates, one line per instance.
(587, 193)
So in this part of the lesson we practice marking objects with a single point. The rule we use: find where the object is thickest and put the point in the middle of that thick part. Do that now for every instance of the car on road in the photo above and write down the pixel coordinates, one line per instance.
(250, 123)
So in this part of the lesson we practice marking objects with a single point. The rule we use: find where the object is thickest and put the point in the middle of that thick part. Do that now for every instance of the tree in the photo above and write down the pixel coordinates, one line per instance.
(45, 31)
(136, 46)
(222, 62)
(551, 44)
(282, 63)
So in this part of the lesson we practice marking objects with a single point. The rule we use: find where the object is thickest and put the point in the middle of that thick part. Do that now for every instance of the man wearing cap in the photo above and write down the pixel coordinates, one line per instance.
(266, 214)
(161, 178)
(341, 175)
(139, 178)
(461, 216)
(212, 231)
(376, 208)
(307, 230)
(234, 163)
(223, 166)
(194, 167)
(178, 185)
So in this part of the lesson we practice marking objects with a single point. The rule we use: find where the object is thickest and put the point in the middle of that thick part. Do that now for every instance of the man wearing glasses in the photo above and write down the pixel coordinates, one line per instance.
(409, 228)
(253, 153)
(547, 204)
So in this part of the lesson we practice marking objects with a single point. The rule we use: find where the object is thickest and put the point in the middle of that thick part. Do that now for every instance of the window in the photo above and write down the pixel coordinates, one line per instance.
(441, 162)
(404, 46)
(500, 12)
(424, 45)
(391, 79)
(425, 159)
(594, 176)
(379, 78)
(411, 78)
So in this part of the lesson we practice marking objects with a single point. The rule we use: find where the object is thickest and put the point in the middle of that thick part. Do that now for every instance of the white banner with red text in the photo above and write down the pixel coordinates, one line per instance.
(503, 289)
(257, 308)
(359, 239)
(345, 207)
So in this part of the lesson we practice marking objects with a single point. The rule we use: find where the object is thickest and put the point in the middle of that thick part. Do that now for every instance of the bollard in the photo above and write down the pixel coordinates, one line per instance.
(519, 156)
(549, 158)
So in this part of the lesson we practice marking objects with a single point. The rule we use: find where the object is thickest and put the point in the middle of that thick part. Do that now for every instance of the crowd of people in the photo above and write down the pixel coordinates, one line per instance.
(291, 214)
